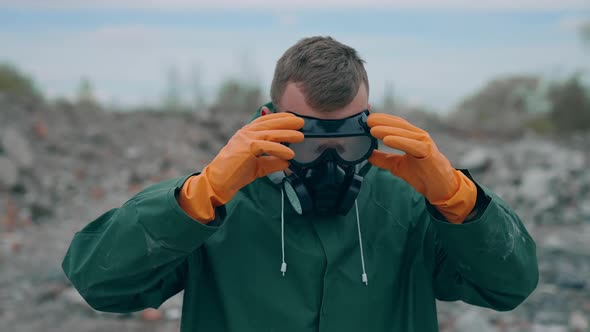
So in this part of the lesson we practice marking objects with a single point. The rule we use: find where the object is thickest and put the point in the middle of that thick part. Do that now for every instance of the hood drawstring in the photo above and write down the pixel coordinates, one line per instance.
(283, 265)
(364, 277)
(358, 226)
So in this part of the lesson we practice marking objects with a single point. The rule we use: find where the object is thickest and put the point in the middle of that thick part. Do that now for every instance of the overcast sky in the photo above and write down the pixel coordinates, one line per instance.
(433, 52)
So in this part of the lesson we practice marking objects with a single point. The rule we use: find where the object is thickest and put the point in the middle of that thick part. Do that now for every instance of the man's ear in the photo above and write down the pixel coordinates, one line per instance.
(369, 107)
(264, 111)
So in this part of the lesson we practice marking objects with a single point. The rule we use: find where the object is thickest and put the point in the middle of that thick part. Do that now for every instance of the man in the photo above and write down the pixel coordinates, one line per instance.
(371, 238)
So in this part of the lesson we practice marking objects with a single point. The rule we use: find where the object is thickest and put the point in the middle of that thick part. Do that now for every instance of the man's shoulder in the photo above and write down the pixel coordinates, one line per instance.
(392, 196)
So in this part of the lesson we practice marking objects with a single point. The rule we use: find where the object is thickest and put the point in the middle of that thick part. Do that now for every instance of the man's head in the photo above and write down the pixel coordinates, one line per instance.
(324, 81)
(322, 78)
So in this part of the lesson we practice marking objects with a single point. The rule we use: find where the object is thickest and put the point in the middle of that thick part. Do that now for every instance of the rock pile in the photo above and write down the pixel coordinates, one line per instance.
(61, 165)
(546, 182)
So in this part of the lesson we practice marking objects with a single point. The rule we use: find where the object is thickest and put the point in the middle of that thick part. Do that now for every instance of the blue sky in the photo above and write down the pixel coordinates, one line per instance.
(432, 56)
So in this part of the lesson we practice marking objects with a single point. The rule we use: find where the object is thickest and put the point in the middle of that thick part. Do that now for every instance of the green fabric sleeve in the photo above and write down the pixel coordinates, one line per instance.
(135, 256)
(489, 261)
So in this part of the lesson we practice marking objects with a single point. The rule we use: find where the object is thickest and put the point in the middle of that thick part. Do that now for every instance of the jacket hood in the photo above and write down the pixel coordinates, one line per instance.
(257, 114)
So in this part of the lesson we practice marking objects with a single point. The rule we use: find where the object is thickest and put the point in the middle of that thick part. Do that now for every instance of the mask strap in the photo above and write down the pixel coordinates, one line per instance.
(358, 224)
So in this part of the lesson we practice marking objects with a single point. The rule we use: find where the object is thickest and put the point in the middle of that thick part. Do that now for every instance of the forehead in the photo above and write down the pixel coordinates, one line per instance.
(293, 100)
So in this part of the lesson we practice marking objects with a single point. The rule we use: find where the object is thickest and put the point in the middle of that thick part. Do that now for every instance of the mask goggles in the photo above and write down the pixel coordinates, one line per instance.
(346, 141)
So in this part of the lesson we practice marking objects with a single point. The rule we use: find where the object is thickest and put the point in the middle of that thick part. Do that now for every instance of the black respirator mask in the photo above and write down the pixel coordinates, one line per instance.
(325, 180)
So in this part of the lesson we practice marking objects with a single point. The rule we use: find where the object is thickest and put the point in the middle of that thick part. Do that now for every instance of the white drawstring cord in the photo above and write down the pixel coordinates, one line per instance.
(283, 265)
(358, 225)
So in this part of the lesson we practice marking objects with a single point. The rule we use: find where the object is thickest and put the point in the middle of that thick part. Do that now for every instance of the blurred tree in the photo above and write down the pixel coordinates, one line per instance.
(502, 105)
(509, 105)
(570, 105)
(235, 96)
(172, 96)
(199, 103)
(85, 94)
(585, 33)
(389, 98)
(236, 102)
(13, 82)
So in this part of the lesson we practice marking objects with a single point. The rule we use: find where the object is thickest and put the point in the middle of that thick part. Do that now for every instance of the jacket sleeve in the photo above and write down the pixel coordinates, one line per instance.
(488, 261)
(135, 256)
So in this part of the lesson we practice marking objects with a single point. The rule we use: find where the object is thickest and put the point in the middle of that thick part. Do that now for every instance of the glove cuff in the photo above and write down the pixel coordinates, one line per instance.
(457, 207)
(198, 199)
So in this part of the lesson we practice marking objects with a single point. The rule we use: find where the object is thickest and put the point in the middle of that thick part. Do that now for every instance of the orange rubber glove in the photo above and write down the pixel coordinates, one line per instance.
(254, 151)
(422, 166)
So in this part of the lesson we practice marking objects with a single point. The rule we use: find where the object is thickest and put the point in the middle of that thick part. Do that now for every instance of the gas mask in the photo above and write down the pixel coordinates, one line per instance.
(324, 177)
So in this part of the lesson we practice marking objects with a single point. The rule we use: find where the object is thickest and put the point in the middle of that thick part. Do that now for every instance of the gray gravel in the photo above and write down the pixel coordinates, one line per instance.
(61, 166)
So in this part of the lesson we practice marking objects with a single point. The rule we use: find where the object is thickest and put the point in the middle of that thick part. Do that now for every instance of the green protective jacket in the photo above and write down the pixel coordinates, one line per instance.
(142, 253)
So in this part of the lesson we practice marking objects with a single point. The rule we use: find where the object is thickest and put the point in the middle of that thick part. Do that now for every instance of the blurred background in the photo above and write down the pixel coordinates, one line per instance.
(99, 99)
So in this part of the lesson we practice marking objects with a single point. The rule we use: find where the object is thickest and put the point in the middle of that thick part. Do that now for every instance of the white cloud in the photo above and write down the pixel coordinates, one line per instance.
(300, 4)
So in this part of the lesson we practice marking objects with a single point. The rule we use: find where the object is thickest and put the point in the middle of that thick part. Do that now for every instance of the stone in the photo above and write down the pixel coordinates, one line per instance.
(10, 244)
(71, 295)
(477, 160)
(8, 173)
(133, 152)
(578, 321)
(471, 321)
(17, 148)
(173, 313)
(151, 314)
(549, 328)
(536, 183)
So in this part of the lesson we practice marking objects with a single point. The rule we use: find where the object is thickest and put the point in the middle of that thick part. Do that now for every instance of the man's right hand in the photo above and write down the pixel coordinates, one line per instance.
(254, 151)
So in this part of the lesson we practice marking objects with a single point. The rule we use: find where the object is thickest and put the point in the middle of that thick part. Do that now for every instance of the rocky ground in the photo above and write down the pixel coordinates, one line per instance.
(62, 165)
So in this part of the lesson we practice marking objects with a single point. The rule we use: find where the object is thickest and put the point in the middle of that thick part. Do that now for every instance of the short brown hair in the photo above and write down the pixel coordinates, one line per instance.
(328, 72)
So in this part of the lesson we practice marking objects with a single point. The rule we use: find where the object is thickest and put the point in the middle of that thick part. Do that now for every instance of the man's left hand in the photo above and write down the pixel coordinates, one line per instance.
(422, 166)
